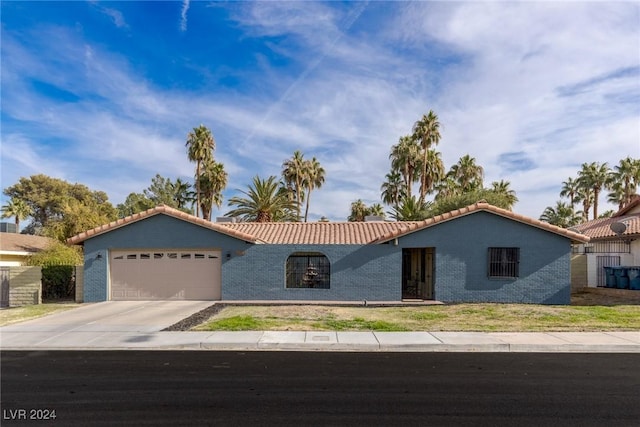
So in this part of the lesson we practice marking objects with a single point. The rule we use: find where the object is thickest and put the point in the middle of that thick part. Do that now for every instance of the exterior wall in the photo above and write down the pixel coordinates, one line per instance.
(79, 273)
(159, 231)
(12, 260)
(461, 247)
(592, 265)
(578, 272)
(358, 273)
(25, 286)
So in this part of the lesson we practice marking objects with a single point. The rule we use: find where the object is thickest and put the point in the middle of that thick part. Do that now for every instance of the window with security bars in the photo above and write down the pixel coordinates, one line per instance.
(308, 270)
(504, 262)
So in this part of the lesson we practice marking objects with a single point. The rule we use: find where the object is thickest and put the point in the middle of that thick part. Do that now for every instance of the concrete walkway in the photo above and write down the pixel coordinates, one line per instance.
(139, 325)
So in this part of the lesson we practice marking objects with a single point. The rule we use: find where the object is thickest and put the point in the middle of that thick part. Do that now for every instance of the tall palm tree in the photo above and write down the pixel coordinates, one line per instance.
(617, 194)
(264, 202)
(585, 195)
(596, 176)
(393, 189)
(376, 209)
(182, 193)
(561, 215)
(18, 209)
(213, 181)
(432, 174)
(294, 172)
(569, 189)
(406, 159)
(448, 187)
(467, 173)
(200, 145)
(626, 175)
(504, 188)
(314, 179)
(426, 132)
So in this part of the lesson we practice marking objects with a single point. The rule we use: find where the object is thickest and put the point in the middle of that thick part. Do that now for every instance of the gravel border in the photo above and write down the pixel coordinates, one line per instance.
(195, 319)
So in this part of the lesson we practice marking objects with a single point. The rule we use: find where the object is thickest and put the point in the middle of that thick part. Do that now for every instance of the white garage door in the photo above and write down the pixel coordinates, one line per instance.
(165, 274)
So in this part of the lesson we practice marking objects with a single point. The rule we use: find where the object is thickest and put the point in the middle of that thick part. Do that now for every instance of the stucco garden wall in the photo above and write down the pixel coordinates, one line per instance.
(25, 285)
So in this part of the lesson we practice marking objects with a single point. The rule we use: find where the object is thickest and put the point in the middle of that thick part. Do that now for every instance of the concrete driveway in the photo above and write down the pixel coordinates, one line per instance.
(90, 324)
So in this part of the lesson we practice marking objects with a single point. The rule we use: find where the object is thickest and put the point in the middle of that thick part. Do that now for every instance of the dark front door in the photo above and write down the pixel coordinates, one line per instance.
(417, 273)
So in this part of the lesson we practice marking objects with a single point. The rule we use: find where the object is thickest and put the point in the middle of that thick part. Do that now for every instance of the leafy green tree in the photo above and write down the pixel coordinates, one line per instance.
(562, 215)
(265, 201)
(50, 198)
(200, 145)
(76, 218)
(451, 203)
(411, 209)
(314, 178)
(134, 203)
(18, 209)
(294, 172)
(57, 253)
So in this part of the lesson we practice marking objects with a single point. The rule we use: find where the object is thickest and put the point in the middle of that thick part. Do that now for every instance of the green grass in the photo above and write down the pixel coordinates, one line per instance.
(454, 317)
(21, 314)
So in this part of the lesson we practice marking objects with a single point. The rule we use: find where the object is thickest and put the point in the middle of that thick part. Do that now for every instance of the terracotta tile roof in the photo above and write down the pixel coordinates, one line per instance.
(601, 228)
(317, 233)
(324, 233)
(14, 242)
(162, 209)
(483, 206)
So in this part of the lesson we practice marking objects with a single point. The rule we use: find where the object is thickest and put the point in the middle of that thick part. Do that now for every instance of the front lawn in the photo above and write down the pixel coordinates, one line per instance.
(455, 317)
(28, 312)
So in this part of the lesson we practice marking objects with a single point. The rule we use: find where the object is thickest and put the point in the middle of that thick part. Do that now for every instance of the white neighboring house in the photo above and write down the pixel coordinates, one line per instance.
(16, 248)
(613, 241)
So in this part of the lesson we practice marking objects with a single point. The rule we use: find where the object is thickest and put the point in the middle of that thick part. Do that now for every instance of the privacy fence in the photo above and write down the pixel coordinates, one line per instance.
(30, 285)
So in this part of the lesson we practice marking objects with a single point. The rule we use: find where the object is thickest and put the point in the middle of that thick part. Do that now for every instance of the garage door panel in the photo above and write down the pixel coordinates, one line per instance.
(167, 274)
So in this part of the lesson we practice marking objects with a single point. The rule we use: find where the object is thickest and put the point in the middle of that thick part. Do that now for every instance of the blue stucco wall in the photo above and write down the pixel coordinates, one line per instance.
(372, 272)
(158, 231)
(461, 260)
(358, 273)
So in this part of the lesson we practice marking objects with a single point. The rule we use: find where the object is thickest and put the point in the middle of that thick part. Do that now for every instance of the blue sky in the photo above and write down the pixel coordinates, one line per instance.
(104, 93)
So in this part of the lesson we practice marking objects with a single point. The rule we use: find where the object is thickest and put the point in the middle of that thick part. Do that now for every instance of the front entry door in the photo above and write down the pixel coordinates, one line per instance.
(417, 273)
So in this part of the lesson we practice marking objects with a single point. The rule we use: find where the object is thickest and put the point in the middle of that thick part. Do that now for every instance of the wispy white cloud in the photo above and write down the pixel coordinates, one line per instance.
(183, 15)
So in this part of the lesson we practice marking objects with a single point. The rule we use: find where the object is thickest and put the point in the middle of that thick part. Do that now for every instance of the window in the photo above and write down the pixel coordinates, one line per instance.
(504, 262)
(308, 270)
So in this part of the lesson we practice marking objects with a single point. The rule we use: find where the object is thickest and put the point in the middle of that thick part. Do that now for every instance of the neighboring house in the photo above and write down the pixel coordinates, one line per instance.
(16, 248)
(480, 253)
(613, 242)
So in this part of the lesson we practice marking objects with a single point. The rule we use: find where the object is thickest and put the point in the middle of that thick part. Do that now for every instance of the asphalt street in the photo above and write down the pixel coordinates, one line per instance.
(101, 388)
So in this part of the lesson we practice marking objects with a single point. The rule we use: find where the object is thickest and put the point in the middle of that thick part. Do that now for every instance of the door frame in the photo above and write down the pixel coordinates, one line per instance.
(418, 273)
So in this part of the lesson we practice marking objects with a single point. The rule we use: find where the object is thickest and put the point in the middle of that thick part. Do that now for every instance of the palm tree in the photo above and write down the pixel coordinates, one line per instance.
(393, 189)
(376, 209)
(504, 188)
(358, 211)
(617, 194)
(433, 173)
(265, 202)
(18, 209)
(411, 209)
(585, 195)
(314, 179)
(626, 178)
(294, 172)
(213, 181)
(200, 145)
(467, 174)
(426, 132)
(182, 193)
(596, 176)
(406, 159)
(446, 188)
(569, 189)
(562, 215)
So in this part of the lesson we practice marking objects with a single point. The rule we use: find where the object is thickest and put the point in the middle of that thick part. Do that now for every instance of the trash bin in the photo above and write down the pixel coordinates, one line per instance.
(622, 280)
(609, 277)
(634, 278)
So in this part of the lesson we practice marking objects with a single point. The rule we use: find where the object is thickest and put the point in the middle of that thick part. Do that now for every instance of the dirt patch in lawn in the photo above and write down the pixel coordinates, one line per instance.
(605, 297)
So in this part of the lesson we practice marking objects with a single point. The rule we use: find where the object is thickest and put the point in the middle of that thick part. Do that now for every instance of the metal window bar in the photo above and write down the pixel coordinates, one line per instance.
(308, 271)
(504, 262)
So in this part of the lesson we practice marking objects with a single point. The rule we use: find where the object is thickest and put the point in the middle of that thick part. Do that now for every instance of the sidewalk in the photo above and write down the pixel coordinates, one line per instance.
(583, 342)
